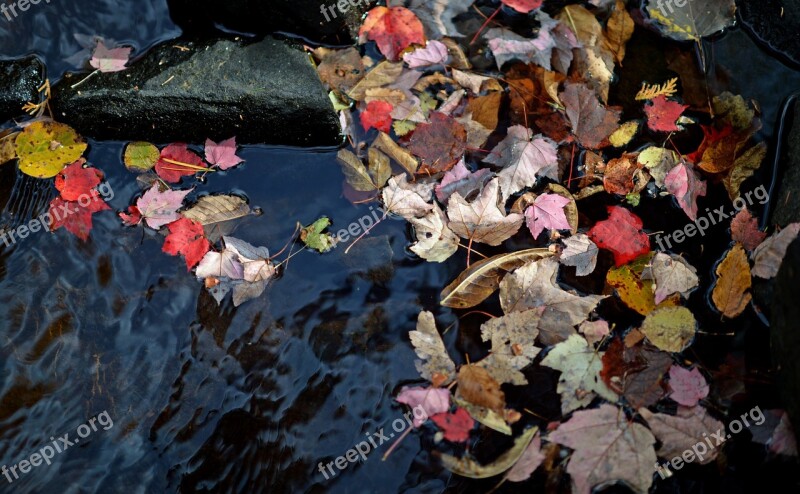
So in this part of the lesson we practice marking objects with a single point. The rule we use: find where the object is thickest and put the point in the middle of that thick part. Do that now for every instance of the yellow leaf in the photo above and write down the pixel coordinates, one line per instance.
(624, 134)
(731, 291)
(671, 329)
(45, 148)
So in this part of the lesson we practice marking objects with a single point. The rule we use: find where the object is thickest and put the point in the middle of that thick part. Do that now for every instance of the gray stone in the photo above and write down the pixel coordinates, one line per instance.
(785, 332)
(301, 17)
(774, 23)
(182, 90)
(19, 83)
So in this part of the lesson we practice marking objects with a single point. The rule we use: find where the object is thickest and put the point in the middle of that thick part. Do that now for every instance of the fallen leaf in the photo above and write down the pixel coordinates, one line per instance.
(186, 238)
(687, 387)
(79, 222)
(659, 162)
(683, 183)
(45, 147)
(109, 60)
(386, 144)
(456, 425)
(512, 337)
(678, 434)
(219, 264)
(607, 448)
(377, 115)
(624, 134)
(506, 45)
(769, 255)
(523, 6)
(534, 285)
(75, 181)
(624, 176)
(314, 238)
(482, 278)
(621, 234)
(692, 20)
(341, 69)
(177, 161)
(731, 292)
(467, 466)
(460, 179)
(434, 53)
(635, 372)
(592, 123)
(744, 229)
(743, 168)
(527, 463)
(594, 331)
(381, 75)
(393, 29)
(440, 144)
(159, 208)
(580, 252)
(523, 157)
(478, 387)
(437, 15)
(580, 368)
(672, 274)
(636, 292)
(435, 241)
(662, 114)
(140, 156)
(218, 213)
(401, 199)
(257, 266)
(430, 401)
(671, 329)
(435, 365)
(618, 31)
(223, 154)
(547, 212)
(482, 220)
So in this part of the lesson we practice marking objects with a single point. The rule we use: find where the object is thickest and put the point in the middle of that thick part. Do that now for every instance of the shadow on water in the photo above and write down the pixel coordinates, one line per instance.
(222, 399)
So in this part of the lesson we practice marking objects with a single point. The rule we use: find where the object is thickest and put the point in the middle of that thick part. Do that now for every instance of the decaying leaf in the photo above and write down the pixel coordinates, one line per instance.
(681, 433)
(467, 466)
(217, 214)
(482, 220)
(671, 329)
(140, 156)
(314, 238)
(580, 252)
(731, 292)
(435, 365)
(512, 337)
(691, 20)
(769, 255)
(477, 386)
(672, 274)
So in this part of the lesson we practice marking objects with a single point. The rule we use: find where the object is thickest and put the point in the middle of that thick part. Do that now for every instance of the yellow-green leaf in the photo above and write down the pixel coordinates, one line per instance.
(140, 156)
(671, 329)
(45, 148)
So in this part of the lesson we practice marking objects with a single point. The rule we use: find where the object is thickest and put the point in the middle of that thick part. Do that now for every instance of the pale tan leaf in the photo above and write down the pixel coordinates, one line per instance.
(435, 365)
(769, 255)
(681, 433)
(467, 466)
(435, 242)
(482, 220)
(217, 213)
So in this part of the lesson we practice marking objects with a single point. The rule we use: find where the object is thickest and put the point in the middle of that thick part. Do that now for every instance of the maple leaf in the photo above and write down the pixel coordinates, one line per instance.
(186, 238)
(547, 212)
(534, 285)
(507, 45)
(223, 154)
(456, 425)
(524, 157)
(513, 349)
(744, 229)
(112, 60)
(581, 252)
(435, 53)
(662, 114)
(527, 463)
(75, 181)
(523, 6)
(769, 255)
(393, 29)
(460, 179)
(684, 184)
(435, 241)
(437, 15)
(580, 368)
(429, 402)
(176, 161)
(377, 115)
(78, 220)
(621, 234)
(133, 217)
(401, 199)
(435, 365)
(680, 433)
(159, 208)
(440, 144)
(607, 448)
(636, 372)
(687, 386)
(672, 274)
(482, 220)
(591, 122)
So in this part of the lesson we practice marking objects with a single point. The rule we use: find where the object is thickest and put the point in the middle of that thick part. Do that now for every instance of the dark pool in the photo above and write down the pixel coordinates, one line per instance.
(223, 399)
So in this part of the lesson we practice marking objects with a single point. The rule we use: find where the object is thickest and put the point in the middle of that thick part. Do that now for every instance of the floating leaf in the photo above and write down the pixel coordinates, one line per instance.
(313, 237)
(435, 365)
(217, 213)
(731, 292)
(691, 20)
(671, 329)
(140, 156)
(469, 467)
(45, 147)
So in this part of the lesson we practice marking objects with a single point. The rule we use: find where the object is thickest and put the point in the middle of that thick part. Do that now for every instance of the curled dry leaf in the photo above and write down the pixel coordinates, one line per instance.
(672, 274)
(467, 466)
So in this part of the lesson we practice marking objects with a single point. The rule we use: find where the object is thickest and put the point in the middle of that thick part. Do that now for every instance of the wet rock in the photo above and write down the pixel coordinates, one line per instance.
(19, 83)
(302, 17)
(774, 23)
(182, 90)
(787, 207)
(785, 332)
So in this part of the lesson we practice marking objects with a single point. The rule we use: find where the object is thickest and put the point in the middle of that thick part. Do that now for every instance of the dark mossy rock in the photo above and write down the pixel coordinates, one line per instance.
(301, 17)
(19, 83)
(785, 332)
(787, 207)
(775, 24)
(181, 90)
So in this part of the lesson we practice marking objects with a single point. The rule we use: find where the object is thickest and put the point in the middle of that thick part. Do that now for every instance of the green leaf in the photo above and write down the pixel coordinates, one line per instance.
(45, 148)
(313, 237)
(140, 156)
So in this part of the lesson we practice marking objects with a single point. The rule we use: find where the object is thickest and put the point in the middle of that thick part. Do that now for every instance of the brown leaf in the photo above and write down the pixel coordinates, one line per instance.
(591, 122)
(386, 144)
(731, 291)
(619, 30)
(478, 387)
(482, 278)
(484, 109)
(341, 69)
(482, 220)
(620, 174)
(636, 373)
(744, 229)
(440, 144)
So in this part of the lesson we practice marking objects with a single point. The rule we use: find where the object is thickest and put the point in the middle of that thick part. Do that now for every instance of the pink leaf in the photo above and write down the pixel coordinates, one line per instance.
(683, 183)
(160, 208)
(113, 60)
(223, 154)
(688, 386)
(425, 402)
(435, 53)
(528, 462)
(523, 6)
(547, 211)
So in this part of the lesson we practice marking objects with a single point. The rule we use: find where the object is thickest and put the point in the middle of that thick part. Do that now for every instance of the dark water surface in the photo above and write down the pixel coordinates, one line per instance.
(208, 399)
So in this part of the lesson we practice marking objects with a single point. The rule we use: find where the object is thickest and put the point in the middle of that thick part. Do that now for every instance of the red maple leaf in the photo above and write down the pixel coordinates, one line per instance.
(75, 181)
(744, 229)
(378, 116)
(186, 238)
(456, 425)
(440, 144)
(172, 165)
(622, 234)
(133, 217)
(523, 6)
(393, 29)
(76, 217)
(662, 114)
